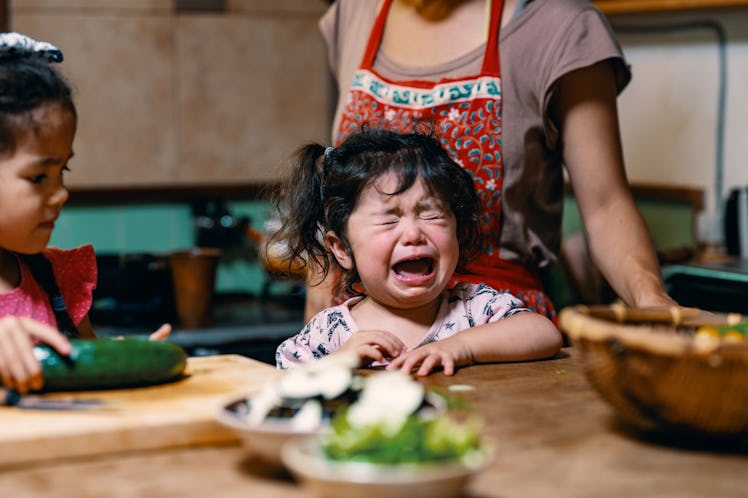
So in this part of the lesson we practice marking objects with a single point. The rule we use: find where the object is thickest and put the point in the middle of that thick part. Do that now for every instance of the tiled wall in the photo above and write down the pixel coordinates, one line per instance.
(157, 228)
(160, 228)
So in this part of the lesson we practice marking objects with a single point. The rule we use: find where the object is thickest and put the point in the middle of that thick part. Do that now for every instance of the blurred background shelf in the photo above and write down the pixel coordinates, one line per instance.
(634, 6)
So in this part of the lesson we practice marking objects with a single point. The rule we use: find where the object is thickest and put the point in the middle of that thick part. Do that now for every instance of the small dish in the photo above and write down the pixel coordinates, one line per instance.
(263, 440)
(301, 402)
(303, 457)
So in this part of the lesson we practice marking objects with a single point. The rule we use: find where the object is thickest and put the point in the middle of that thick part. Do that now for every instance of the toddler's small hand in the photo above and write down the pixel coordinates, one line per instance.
(162, 333)
(19, 368)
(448, 354)
(374, 346)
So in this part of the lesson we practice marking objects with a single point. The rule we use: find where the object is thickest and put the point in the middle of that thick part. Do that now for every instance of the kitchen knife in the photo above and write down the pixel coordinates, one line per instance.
(13, 398)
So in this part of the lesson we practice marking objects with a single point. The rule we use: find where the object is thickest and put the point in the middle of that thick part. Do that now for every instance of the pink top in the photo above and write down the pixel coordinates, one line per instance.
(465, 306)
(75, 273)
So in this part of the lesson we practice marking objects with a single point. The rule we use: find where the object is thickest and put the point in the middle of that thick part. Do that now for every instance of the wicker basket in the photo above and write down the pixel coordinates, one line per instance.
(658, 374)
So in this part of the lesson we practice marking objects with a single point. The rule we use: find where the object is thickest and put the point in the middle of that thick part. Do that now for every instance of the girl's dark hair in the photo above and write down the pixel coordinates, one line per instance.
(323, 187)
(27, 83)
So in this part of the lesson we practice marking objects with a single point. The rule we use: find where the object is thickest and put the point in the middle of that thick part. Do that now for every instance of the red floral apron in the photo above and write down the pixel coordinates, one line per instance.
(466, 115)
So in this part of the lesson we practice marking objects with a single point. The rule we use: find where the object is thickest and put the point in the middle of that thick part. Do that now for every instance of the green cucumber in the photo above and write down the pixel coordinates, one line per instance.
(110, 364)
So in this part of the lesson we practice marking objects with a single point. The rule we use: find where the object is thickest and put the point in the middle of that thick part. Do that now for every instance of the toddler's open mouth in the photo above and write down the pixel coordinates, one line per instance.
(414, 268)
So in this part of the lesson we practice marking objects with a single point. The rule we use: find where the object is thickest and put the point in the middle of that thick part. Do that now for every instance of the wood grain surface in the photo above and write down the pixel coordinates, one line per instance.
(553, 435)
(168, 415)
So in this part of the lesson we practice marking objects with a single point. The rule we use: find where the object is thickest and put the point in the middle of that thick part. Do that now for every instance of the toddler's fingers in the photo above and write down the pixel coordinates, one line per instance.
(433, 361)
(5, 372)
(428, 364)
(162, 333)
(448, 364)
(46, 334)
(396, 362)
(371, 352)
(389, 341)
(412, 360)
(25, 368)
(389, 350)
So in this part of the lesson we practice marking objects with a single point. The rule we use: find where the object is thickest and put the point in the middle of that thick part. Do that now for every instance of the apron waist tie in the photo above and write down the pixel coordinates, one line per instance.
(514, 275)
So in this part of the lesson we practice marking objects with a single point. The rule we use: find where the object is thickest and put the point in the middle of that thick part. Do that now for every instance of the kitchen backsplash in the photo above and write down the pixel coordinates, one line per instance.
(158, 229)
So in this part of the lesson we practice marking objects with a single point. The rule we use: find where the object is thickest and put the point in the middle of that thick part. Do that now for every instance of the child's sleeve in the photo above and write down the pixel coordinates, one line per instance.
(324, 334)
(76, 273)
(485, 304)
(300, 348)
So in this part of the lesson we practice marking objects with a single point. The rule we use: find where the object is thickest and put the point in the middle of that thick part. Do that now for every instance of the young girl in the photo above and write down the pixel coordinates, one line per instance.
(397, 216)
(40, 287)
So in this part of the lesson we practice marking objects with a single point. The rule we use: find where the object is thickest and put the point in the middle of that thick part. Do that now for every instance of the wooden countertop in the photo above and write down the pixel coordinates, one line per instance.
(553, 436)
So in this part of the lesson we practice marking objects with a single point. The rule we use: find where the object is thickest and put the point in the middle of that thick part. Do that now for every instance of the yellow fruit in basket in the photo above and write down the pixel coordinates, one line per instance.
(733, 336)
(707, 331)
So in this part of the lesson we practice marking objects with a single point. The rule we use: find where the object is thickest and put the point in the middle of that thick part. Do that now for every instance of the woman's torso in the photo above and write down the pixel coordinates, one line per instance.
(537, 46)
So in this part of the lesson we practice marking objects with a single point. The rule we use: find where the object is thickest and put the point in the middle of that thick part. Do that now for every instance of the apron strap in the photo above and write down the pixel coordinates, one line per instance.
(491, 57)
(375, 37)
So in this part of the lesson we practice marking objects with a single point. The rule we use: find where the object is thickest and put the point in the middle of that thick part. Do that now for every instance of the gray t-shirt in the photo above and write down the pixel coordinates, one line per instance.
(539, 45)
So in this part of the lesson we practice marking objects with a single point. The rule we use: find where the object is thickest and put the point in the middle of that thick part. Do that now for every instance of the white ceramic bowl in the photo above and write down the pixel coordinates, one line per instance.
(263, 440)
(330, 479)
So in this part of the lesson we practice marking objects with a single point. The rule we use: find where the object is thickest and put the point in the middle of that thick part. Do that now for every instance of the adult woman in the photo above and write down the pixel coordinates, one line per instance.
(517, 89)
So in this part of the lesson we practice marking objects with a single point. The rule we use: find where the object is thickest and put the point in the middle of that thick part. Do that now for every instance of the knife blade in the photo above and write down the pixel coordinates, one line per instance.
(15, 399)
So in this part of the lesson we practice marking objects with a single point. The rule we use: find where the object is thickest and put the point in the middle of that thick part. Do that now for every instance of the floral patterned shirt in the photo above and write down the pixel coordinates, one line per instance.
(464, 306)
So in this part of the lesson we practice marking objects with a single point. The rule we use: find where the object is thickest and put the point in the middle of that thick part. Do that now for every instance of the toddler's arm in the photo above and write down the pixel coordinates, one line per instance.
(19, 369)
(523, 336)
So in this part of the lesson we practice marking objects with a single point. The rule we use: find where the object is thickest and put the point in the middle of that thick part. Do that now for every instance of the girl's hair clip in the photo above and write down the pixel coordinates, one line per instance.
(17, 45)
(328, 152)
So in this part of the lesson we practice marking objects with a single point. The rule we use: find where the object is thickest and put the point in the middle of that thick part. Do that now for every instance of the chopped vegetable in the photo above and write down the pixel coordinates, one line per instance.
(388, 398)
(307, 396)
(394, 421)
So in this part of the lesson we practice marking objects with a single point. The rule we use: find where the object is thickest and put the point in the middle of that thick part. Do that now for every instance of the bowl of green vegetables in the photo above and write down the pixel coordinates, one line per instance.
(396, 440)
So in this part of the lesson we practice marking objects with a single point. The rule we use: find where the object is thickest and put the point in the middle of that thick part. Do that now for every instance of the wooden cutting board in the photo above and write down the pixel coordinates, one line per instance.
(176, 414)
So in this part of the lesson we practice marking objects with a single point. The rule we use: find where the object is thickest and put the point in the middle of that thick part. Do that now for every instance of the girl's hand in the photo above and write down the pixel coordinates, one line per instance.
(162, 333)
(373, 346)
(19, 369)
(448, 354)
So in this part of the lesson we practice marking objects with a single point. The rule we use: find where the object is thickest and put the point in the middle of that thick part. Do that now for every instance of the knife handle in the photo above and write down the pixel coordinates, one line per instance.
(9, 397)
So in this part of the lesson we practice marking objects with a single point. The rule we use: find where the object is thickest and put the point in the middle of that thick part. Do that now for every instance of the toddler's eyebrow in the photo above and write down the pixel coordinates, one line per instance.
(51, 160)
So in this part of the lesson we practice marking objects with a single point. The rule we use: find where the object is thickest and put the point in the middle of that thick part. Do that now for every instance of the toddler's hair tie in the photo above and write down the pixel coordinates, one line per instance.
(328, 152)
(17, 46)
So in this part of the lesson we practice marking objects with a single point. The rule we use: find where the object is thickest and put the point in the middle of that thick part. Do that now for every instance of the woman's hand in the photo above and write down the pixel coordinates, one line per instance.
(448, 353)
(162, 333)
(19, 369)
(373, 346)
